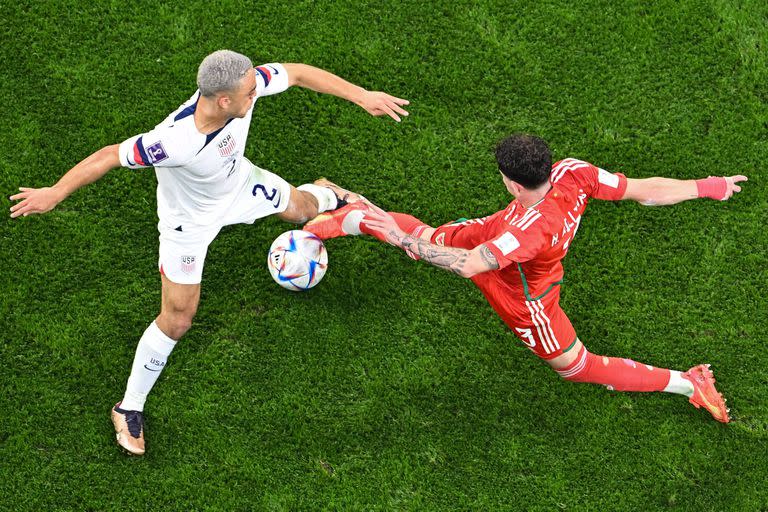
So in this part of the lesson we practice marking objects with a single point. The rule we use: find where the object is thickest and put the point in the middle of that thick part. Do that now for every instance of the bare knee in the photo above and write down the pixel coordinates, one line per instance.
(566, 359)
(301, 208)
(175, 324)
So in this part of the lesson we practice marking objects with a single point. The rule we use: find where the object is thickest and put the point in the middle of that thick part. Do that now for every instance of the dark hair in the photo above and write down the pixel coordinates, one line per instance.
(524, 159)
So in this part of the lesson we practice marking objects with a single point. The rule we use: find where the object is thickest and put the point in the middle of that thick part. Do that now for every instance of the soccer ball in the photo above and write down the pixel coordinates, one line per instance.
(297, 260)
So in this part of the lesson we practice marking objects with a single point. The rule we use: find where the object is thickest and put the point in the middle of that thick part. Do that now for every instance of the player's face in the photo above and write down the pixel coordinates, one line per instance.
(242, 99)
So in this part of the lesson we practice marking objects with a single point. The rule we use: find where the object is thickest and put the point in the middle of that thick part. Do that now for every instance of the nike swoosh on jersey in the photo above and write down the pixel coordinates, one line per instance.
(152, 369)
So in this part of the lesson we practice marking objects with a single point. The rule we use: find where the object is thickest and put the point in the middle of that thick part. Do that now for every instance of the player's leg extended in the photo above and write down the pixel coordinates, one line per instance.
(576, 364)
(179, 304)
(621, 374)
(580, 365)
(310, 200)
(346, 218)
(347, 221)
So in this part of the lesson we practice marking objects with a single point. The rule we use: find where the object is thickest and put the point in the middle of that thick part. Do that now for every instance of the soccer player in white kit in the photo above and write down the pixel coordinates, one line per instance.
(204, 183)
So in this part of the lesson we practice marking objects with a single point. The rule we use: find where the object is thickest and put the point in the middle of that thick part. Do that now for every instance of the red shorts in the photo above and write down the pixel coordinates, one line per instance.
(541, 325)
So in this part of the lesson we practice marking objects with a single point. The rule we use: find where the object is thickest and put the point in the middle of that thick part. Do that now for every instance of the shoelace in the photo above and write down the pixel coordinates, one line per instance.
(341, 202)
(135, 421)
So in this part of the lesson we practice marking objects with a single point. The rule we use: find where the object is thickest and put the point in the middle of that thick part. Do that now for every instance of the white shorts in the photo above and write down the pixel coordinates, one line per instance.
(183, 247)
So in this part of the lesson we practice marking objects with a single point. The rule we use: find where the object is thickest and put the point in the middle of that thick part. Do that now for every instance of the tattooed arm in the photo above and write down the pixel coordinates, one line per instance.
(464, 262)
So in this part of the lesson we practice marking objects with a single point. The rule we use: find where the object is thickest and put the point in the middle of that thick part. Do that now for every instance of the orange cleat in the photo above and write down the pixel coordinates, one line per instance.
(331, 224)
(704, 392)
(129, 429)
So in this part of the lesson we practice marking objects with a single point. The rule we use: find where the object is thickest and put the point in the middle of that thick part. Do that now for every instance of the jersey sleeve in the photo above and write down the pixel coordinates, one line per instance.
(151, 149)
(516, 245)
(597, 182)
(464, 233)
(271, 79)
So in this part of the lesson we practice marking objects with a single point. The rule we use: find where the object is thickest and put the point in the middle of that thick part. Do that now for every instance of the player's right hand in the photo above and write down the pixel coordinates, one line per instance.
(379, 103)
(34, 200)
(731, 185)
(379, 220)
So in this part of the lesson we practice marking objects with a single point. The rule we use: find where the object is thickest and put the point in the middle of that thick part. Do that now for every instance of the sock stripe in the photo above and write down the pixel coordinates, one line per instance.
(580, 364)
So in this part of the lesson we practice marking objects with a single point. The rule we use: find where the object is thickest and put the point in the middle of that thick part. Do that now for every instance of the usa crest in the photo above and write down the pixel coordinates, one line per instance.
(187, 264)
(227, 145)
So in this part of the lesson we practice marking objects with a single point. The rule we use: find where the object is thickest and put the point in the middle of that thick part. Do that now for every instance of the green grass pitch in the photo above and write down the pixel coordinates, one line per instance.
(392, 385)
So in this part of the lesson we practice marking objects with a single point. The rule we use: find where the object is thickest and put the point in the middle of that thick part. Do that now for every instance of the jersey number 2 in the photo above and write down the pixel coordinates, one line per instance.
(267, 195)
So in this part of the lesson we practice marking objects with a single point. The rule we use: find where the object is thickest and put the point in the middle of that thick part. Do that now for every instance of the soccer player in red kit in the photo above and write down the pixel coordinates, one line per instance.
(514, 257)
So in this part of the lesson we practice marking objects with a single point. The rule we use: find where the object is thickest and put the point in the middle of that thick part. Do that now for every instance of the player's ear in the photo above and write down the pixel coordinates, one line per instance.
(223, 101)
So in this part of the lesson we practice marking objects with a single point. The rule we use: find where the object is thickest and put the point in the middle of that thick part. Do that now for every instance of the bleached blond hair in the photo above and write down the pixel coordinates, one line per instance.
(222, 71)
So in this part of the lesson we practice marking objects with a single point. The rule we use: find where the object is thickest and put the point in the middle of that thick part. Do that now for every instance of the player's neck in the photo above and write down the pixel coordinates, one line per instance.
(209, 117)
(528, 198)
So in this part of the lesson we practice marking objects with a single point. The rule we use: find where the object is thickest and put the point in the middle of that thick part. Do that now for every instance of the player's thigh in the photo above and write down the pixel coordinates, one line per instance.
(178, 298)
(454, 235)
(182, 253)
(545, 329)
(265, 194)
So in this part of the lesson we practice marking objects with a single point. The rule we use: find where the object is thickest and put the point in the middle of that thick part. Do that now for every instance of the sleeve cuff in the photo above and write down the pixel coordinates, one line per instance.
(125, 152)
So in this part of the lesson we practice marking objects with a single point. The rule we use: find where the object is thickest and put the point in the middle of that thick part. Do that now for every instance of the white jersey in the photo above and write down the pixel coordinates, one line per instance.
(198, 176)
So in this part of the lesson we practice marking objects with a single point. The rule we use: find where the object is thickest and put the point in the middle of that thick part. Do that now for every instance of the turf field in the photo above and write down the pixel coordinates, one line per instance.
(391, 386)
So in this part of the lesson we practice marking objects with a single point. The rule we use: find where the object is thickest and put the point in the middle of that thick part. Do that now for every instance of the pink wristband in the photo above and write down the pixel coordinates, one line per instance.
(714, 187)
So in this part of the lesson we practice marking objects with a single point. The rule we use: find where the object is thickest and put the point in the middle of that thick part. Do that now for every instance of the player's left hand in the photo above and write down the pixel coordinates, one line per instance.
(731, 185)
(379, 103)
(379, 220)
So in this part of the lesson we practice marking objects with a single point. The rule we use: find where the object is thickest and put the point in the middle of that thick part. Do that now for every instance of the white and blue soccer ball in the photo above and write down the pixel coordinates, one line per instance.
(297, 260)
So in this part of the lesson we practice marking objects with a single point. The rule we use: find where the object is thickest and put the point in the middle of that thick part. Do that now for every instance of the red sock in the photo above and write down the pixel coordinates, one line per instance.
(615, 373)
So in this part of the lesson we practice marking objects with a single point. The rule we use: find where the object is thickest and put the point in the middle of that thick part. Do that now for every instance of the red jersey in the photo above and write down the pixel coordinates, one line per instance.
(530, 243)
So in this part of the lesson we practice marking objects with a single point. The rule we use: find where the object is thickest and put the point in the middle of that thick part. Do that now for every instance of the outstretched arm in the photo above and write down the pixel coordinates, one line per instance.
(666, 191)
(41, 200)
(374, 102)
(464, 262)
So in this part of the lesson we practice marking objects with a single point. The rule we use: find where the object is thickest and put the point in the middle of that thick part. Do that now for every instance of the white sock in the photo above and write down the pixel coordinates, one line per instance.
(326, 199)
(151, 356)
(678, 384)
(351, 223)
